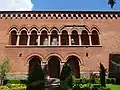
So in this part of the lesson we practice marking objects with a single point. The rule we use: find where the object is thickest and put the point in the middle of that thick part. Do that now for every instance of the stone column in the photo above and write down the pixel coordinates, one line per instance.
(90, 38)
(18, 39)
(39, 39)
(61, 66)
(59, 39)
(28, 41)
(69, 39)
(99, 39)
(80, 41)
(49, 39)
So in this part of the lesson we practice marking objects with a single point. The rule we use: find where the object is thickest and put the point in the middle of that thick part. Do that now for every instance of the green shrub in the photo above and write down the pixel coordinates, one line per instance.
(66, 78)
(102, 75)
(76, 87)
(4, 88)
(36, 79)
(14, 87)
(13, 81)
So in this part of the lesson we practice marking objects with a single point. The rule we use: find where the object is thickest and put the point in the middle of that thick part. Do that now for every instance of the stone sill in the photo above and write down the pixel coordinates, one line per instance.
(41, 46)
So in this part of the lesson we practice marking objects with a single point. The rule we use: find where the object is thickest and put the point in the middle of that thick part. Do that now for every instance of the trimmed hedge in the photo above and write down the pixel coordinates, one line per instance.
(14, 87)
(15, 81)
(94, 81)
(78, 81)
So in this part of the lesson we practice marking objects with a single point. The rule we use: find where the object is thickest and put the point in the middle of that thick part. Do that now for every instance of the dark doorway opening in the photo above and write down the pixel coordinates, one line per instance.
(54, 67)
(74, 64)
(114, 65)
(34, 63)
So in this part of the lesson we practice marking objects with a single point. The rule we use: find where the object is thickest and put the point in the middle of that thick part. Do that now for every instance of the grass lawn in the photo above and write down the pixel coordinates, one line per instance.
(113, 86)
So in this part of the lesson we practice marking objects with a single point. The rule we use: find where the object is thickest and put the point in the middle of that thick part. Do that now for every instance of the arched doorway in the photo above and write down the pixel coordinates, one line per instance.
(35, 62)
(74, 64)
(54, 67)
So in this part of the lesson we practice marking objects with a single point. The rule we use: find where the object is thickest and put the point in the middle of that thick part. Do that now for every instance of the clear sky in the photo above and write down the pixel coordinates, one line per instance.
(57, 5)
(77, 5)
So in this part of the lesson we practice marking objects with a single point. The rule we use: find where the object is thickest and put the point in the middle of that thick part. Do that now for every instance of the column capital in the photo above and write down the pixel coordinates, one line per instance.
(18, 33)
(28, 34)
(59, 33)
(39, 34)
(89, 33)
(69, 33)
(79, 33)
(49, 33)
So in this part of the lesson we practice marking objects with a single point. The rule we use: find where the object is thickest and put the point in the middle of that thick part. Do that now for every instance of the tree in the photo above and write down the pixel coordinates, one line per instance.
(102, 75)
(4, 69)
(112, 3)
(36, 79)
(66, 78)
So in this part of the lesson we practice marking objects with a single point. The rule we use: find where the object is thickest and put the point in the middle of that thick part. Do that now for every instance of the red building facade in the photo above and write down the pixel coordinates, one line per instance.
(52, 38)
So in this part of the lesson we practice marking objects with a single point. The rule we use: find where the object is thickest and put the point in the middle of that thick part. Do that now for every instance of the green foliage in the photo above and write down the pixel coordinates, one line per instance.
(16, 81)
(89, 87)
(4, 69)
(14, 87)
(66, 78)
(102, 75)
(36, 79)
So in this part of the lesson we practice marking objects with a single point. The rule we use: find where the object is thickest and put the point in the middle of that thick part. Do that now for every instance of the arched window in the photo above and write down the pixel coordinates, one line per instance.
(85, 38)
(64, 38)
(33, 38)
(13, 38)
(74, 38)
(44, 38)
(95, 38)
(23, 38)
(54, 38)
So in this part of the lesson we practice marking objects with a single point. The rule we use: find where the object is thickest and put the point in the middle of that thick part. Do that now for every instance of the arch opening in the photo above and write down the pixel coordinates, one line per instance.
(73, 61)
(33, 38)
(95, 38)
(34, 64)
(54, 67)
(13, 38)
(23, 38)
(85, 38)
(54, 38)
(44, 38)
(64, 38)
(74, 38)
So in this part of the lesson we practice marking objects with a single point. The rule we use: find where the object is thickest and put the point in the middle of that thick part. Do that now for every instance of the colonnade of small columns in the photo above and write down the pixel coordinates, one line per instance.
(79, 38)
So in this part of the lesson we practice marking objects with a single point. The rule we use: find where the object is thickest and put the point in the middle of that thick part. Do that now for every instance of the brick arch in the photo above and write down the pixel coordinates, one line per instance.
(34, 27)
(74, 29)
(23, 28)
(11, 29)
(64, 29)
(87, 29)
(46, 28)
(54, 28)
(28, 58)
(76, 55)
(54, 54)
(96, 28)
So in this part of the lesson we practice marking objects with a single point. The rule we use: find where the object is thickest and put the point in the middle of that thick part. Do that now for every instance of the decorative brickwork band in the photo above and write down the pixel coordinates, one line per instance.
(59, 15)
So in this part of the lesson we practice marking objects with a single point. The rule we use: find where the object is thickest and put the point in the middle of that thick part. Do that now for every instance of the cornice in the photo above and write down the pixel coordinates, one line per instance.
(59, 14)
